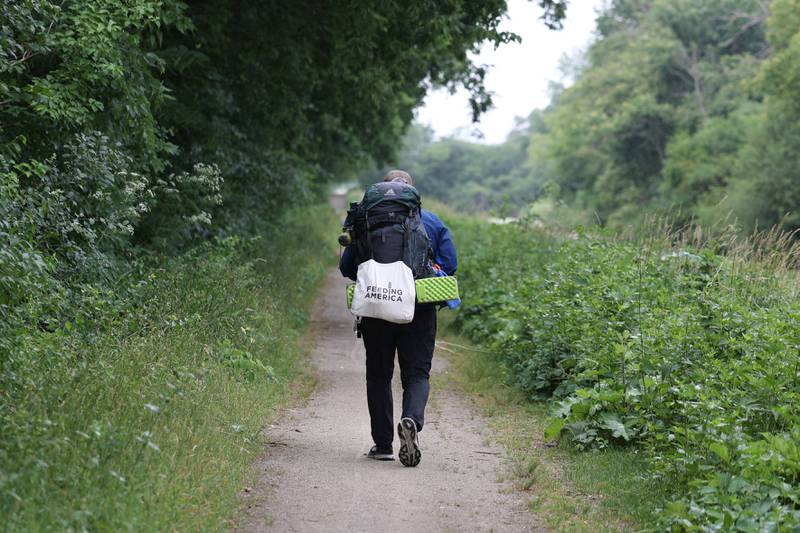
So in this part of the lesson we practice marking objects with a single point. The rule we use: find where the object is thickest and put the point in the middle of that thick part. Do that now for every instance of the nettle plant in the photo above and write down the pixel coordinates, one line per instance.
(688, 349)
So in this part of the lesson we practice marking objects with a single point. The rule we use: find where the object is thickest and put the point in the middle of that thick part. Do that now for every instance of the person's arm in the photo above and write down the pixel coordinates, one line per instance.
(446, 254)
(347, 263)
(444, 251)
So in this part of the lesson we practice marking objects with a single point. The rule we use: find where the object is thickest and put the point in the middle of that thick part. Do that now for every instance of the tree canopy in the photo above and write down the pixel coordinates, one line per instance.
(687, 109)
(137, 127)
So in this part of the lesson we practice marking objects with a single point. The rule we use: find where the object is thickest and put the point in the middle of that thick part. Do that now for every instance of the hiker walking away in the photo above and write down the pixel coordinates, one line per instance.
(414, 343)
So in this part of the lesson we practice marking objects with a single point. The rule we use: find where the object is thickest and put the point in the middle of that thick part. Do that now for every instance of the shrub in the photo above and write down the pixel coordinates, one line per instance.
(665, 344)
(150, 419)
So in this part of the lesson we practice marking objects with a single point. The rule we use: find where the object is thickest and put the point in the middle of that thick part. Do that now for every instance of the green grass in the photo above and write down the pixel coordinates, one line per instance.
(569, 490)
(154, 425)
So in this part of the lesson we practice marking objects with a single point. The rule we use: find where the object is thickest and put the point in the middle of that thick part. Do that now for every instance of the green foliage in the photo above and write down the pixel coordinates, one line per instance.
(468, 176)
(331, 84)
(82, 66)
(82, 160)
(606, 490)
(151, 422)
(120, 122)
(683, 108)
(133, 135)
(661, 342)
(766, 190)
(657, 79)
(686, 108)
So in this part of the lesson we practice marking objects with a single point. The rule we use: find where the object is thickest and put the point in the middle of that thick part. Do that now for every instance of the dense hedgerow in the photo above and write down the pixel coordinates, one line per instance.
(149, 416)
(679, 348)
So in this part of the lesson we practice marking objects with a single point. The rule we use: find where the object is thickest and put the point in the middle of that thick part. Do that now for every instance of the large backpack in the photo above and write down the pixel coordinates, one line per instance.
(387, 226)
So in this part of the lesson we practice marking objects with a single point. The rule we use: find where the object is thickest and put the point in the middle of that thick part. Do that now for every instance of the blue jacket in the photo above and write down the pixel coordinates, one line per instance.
(444, 251)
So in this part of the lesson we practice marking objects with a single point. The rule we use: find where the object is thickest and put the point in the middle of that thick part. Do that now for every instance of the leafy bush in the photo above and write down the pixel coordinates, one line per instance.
(66, 254)
(668, 344)
(82, 209)
(150, 420)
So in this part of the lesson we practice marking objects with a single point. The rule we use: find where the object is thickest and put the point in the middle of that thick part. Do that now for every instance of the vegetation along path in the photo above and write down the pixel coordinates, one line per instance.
(316, 477)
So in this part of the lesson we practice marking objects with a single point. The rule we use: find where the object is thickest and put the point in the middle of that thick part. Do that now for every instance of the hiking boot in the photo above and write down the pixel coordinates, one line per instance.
(381, 453)
(410, 452)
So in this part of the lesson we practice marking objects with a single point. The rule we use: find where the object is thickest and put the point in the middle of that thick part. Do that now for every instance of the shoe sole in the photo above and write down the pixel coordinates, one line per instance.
(410, 454)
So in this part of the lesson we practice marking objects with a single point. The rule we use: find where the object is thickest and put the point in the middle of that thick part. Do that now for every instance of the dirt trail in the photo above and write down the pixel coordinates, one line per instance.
(315, 476)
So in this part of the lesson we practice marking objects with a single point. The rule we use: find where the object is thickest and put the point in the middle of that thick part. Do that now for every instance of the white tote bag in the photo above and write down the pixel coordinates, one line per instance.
(385, 291)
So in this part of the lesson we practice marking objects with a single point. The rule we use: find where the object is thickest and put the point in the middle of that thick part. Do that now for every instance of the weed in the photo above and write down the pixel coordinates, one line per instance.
(567, 490)
(151, 422)
(681, 345)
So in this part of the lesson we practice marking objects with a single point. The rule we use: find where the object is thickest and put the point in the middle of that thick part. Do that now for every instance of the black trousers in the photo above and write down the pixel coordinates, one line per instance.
(414, 343)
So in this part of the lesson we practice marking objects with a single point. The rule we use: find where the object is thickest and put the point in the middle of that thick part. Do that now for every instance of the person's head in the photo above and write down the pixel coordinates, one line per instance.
(399, 175)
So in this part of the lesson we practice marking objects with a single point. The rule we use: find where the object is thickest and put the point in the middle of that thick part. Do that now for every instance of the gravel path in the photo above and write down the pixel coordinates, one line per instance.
(314, 475)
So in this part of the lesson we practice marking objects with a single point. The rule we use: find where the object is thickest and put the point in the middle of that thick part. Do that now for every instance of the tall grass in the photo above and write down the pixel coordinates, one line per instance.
(152, 423)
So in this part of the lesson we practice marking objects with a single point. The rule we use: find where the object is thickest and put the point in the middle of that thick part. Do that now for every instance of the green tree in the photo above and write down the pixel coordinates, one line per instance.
(469, 176)
(766, 191)
(659, 74)
(119, 121)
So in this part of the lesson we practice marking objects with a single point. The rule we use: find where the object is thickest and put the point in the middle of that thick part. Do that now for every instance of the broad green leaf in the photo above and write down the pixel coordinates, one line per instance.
(553, 429)
(721, 450)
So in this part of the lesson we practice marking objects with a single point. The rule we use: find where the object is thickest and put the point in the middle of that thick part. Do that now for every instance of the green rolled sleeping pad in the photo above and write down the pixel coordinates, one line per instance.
(429, 290)
(436, 289)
